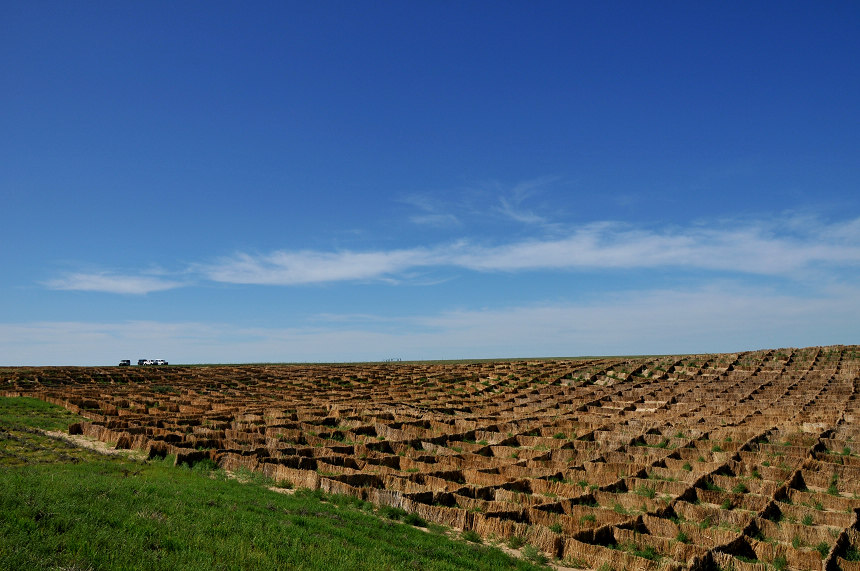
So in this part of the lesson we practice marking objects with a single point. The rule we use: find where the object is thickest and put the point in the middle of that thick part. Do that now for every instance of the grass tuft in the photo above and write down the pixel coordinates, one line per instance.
(531, 553)
(471, 536)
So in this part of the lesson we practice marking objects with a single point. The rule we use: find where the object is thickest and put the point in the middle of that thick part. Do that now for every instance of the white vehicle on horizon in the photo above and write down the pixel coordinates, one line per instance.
(144, 362)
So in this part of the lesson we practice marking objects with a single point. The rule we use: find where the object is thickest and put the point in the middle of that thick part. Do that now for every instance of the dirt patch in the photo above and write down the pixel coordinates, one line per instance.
(97, 446)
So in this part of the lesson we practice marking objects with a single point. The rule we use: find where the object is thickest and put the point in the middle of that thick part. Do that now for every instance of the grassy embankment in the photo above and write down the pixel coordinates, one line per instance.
(67, 507)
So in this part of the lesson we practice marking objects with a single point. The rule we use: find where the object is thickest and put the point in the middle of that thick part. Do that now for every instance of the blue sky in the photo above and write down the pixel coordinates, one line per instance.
(341, 181)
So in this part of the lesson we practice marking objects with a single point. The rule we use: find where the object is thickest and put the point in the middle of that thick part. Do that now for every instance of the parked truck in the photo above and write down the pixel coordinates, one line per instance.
(147, 362)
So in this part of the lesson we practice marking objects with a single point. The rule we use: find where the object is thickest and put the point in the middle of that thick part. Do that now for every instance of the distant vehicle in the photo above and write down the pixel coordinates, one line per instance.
(125, 363)
(160, 362)
(143, 362)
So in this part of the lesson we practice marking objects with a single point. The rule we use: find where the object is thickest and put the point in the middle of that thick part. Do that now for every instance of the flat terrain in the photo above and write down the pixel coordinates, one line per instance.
(748, 460)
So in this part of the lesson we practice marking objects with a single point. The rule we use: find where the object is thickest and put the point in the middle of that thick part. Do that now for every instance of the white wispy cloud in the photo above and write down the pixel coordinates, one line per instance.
(515, 211)
(512, 201)
(432, 211)
(439, 220)
(486, 202)
(721, 317)
(754, 249)
(724, 316)
(303, 267)
(790, 247)
(750, 247)
(112, 283)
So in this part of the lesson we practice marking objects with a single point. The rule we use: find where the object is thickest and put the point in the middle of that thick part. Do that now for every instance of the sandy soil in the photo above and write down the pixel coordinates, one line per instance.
(94, 445)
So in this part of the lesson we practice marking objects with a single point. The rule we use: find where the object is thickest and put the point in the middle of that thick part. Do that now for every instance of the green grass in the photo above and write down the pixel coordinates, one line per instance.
(531, 553)
(740, 488)
(646, 553)
(70, 508)
(34, 413)
(619, 509)
(646, 491)
(832, 489)
(470, 535)
(709, 485)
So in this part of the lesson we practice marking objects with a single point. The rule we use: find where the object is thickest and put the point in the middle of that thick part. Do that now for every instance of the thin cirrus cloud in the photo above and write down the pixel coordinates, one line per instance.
(748, 250)
(515, 212)
(785, 248)
(431, 212)
(112, 283)
(718, 317)
(436, 220)
(305, 267)
(754, 249)
(511, 203)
